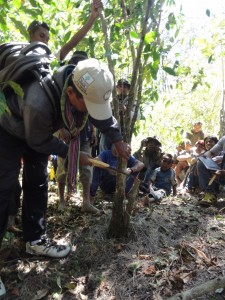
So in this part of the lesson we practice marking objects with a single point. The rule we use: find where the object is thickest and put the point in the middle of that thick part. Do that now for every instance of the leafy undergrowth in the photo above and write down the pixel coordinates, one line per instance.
(172, 247)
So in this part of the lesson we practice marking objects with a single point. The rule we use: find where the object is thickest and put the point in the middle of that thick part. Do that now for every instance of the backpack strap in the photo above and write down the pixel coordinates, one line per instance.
(9, 50)
(35, 45)
(52, 91)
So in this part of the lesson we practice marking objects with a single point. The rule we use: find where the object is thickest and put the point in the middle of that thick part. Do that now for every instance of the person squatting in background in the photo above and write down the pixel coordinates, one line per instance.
(162, 181)
(106, 180)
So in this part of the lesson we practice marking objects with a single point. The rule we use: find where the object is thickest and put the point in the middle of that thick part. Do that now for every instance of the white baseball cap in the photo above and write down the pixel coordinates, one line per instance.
(95, 82)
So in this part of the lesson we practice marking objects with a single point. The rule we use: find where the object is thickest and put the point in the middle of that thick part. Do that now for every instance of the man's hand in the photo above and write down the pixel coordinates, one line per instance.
(96, 7)
(123, 149)
(129, 171)
(65, 135)
(220, 173)
(84, 159)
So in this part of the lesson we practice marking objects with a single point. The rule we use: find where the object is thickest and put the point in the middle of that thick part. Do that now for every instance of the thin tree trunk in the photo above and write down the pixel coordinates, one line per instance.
(110, 61)
(131, 96)
(118, 227)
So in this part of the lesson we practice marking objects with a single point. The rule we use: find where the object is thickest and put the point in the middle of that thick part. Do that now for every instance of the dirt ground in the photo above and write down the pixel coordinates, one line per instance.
(172, 247)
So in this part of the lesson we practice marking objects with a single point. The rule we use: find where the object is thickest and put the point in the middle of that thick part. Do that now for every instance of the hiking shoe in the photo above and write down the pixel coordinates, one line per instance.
(48, 247)
(208, 199)
(2, 289)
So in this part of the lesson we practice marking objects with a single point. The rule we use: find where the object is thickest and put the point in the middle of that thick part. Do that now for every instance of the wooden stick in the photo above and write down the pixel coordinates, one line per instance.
(212, 179)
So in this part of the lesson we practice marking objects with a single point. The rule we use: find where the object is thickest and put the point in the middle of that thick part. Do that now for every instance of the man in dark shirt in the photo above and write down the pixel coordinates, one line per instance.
(196, 134)
(27, 131)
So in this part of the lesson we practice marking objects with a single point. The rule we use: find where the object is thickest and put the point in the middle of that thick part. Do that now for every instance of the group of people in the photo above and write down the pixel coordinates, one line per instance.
(195, 168)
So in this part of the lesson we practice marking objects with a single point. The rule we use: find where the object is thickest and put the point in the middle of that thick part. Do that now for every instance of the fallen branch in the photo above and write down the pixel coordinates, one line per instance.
(200, 290)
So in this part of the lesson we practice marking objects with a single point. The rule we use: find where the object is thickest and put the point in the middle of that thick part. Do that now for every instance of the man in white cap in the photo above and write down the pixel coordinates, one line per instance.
(27, 131)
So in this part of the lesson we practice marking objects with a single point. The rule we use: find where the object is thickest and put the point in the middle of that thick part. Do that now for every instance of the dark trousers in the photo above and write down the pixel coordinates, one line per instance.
(15, 200)
(35, 185)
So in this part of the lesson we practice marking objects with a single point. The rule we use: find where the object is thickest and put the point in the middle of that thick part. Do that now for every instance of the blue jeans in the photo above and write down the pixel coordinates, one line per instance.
(204, 176)
(192, 179)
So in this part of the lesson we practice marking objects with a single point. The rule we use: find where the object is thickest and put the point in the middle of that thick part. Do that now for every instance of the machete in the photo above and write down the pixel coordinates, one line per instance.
(103, 165)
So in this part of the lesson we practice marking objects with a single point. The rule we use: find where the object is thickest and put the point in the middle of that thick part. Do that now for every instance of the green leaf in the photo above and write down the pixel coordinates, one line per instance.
(208, 12)
(171, 21)
(156, 56)
(2, 20)
(2, 102)
(16, 88)
(58, 280)
(67, 36)
(118, 25)
(170, 71)
(16, 3)
(8, 236)
(219, 217)
(167, 103)
(33, 3)
(134, 35)
(48, 2)
(210, 59)
(32, 11)
(19, 25)
(153, 71)
(150, 37)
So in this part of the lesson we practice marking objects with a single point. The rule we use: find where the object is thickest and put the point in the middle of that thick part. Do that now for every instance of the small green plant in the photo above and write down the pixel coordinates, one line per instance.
(8, 236)
(74, 265)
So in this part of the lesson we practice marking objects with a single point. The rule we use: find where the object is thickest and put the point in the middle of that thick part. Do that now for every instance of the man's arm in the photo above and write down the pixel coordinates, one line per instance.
(111, 128)
(136, 167)
(77, 37)
(220, 146)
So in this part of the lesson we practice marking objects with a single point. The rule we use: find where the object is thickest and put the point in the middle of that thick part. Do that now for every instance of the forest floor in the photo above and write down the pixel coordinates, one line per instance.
(172, 247)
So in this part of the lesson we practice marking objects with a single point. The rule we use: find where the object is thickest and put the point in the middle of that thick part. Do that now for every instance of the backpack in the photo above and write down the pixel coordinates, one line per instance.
(25, 62)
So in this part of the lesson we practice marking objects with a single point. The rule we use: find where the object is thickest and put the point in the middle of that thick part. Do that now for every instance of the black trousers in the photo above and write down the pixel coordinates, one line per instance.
(15, 200)
(35, 185)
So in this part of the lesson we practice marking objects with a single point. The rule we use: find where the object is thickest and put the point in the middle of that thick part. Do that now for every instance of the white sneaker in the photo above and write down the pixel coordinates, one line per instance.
(48, 248)
(2, 289)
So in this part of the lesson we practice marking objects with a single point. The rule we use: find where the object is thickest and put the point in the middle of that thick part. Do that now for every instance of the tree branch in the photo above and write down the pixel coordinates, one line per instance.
(200, 290)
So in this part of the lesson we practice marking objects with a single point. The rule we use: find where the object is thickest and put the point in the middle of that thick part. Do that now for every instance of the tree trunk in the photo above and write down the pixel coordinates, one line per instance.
(119, 223)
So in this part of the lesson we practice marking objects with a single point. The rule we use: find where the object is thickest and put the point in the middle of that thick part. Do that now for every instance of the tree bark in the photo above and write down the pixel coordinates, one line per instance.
(118, 224)
(110, 61)
(131, 96)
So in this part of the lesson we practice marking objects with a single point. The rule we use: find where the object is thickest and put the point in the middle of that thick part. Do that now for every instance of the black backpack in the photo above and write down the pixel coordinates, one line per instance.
(25, 62)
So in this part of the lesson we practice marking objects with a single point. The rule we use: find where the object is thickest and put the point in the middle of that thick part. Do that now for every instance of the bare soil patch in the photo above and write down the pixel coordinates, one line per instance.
(172, 247)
